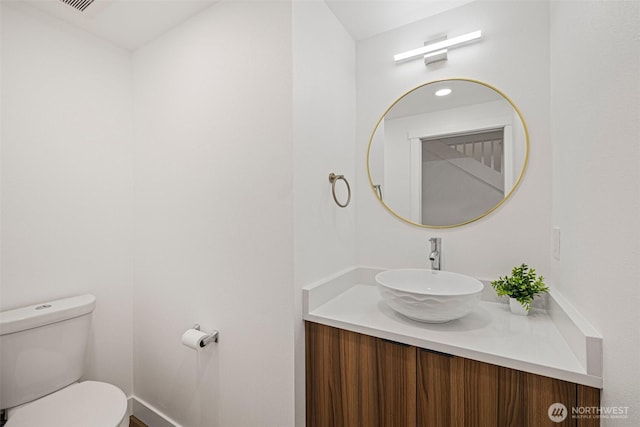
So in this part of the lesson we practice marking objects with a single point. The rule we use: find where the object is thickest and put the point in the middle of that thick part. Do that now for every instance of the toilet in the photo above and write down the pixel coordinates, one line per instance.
(41, 361)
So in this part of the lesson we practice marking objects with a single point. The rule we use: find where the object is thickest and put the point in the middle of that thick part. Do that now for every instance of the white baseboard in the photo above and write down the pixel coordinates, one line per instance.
(148, 414)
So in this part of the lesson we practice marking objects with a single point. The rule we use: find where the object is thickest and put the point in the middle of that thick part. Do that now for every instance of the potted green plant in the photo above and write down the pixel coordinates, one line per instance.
(521, 288)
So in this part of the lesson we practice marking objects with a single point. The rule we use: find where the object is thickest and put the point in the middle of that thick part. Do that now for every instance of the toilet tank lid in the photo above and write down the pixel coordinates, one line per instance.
(33, 316)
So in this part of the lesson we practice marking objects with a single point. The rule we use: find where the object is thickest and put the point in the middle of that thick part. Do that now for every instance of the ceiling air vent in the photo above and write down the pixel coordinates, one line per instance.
(81, 5)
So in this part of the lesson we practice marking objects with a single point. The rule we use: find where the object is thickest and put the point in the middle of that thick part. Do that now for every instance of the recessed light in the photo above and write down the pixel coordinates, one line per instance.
(443, 92)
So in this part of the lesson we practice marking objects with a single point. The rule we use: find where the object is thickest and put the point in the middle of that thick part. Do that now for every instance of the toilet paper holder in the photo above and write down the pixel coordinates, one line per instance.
(212, 337)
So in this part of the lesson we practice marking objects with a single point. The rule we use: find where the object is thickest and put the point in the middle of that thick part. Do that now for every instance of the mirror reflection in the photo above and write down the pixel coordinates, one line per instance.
(447, 153)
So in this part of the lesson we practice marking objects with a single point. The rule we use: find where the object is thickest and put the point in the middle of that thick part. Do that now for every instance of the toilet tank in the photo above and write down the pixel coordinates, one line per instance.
(42, 348)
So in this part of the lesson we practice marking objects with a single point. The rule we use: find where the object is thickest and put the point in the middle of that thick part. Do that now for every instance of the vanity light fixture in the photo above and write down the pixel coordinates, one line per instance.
(437, 48)
(438, 55)
(443, 92)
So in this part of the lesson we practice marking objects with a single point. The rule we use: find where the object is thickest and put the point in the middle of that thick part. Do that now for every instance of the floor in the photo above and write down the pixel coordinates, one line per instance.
(134, 422)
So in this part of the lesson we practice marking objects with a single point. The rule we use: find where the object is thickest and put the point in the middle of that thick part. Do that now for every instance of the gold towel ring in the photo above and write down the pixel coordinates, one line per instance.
(332, 179)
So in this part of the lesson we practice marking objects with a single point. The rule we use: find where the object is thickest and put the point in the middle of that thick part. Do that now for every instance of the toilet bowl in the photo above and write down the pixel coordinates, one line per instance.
(42, 353)
(84, 404)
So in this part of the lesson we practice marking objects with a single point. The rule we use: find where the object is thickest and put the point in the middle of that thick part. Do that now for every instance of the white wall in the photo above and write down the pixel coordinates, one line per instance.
(595, 117)
(67, 178)
(324, 141)
(512, 56)
(214, 217)
(324, 133)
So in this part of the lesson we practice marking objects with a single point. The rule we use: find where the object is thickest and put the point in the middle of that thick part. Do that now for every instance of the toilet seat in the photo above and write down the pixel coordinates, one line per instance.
(85, 404)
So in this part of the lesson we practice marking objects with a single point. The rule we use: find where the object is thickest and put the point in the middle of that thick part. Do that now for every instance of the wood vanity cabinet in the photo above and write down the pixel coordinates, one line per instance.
(358, 380)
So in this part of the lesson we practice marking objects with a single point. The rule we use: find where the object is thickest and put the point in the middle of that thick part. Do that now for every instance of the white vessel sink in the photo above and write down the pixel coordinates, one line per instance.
(429, 295)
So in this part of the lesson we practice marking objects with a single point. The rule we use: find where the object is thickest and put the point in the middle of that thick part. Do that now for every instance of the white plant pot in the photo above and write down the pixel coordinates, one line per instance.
(517, 308)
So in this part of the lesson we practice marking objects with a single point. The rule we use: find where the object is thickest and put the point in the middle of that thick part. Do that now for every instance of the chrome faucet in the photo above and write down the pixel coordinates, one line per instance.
(434, 256)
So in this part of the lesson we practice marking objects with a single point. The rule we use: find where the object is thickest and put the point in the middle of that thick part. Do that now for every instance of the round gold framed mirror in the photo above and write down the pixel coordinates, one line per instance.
(447, 153)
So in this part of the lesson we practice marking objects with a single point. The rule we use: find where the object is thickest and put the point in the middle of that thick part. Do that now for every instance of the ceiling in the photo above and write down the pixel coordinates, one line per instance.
(366, 18)
(133, 23)
(126, 23)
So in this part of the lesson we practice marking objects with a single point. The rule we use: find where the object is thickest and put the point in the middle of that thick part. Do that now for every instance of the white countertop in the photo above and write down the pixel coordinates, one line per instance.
(489, 334)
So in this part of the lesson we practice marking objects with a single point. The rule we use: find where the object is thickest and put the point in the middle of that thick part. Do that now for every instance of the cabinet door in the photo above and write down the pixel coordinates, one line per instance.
(453, 391)
(524, 400)
(436, 389)
(396, 383)
(587, 397)
(357, 380)
(511, 401)
(540, 393)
